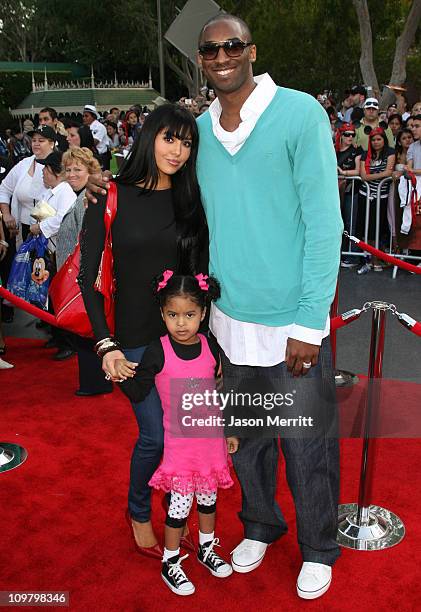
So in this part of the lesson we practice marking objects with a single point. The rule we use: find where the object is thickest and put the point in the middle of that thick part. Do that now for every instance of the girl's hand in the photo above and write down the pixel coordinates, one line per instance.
(124, 369)
(232, 444)
(396, 175)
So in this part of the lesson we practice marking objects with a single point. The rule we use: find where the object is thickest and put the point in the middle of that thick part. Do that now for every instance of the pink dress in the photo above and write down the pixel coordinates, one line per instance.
(189, 464)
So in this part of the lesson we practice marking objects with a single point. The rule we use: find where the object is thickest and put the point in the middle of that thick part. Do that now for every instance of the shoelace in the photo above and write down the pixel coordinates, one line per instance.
(313, 570)
(250, 545)
(211, 555)
(177, 571)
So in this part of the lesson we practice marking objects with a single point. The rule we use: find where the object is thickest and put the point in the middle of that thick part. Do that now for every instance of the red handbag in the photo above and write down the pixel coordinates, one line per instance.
(65, 293)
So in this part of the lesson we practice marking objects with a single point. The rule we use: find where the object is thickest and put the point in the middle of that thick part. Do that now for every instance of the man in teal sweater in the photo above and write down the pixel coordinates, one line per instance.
(267, 173)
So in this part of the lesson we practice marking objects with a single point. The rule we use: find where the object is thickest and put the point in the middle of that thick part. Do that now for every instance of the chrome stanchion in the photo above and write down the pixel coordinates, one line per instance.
(11, 456)
(363, 526)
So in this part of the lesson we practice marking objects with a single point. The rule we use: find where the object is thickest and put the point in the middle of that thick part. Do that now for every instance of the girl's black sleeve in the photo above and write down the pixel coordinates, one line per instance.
(138, 387)
(91, 246)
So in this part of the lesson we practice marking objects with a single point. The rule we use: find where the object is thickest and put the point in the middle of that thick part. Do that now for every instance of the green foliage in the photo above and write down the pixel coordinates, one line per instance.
(315, 45)
(305, 44)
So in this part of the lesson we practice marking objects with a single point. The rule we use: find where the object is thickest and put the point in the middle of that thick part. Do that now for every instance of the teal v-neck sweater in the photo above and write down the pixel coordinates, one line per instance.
(274, 216)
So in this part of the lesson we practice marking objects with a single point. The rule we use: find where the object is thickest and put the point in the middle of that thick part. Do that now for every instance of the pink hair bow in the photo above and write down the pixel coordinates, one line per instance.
(167, 275)
(201, 278)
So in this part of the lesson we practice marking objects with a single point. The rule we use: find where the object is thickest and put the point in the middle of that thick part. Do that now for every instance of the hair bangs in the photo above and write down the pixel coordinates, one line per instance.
(180, 128)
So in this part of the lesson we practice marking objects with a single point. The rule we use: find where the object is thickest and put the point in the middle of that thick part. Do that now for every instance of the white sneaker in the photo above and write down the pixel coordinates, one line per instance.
(314, 580)
(5, 365)
(248, 555)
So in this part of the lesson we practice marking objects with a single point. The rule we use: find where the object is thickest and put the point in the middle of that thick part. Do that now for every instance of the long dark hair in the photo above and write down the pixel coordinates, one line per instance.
(399, 147)
(140, 167)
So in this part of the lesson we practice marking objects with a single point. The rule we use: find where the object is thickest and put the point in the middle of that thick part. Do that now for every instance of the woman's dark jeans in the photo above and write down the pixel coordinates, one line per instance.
(148, 449)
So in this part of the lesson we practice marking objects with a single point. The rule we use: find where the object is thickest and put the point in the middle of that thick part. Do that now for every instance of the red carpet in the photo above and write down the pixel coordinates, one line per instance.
(62, 513)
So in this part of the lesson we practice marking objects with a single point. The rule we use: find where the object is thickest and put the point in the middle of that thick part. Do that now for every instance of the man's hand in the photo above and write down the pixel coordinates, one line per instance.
(298, 353)
(97, 183)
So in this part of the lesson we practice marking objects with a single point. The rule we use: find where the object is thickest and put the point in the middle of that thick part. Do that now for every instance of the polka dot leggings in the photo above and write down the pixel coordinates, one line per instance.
(180, 507)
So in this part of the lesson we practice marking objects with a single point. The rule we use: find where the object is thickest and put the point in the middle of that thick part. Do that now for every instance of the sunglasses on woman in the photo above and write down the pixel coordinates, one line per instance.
(348, 134)
(233, 48)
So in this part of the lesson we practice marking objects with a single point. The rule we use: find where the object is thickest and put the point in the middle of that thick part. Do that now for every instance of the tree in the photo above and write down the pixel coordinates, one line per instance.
(403, 45)
(15, 27)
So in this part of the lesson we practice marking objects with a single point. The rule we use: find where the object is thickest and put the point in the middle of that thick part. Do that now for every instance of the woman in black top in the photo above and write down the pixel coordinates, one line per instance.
(376, 164)
(159, 225)
(348, 163)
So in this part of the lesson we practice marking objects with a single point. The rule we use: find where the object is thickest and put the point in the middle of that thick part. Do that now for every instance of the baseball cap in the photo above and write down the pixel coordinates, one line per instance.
(44, 130)
(358, 89)
(90, 108)
(53, 161)
(371, 103)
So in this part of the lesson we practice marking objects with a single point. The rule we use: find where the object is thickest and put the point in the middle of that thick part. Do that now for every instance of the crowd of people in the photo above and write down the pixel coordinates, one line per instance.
(189, 194)
(373, 144)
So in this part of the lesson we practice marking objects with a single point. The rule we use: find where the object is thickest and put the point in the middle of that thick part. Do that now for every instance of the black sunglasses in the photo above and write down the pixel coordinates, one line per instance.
(233, 48)
(349, 134)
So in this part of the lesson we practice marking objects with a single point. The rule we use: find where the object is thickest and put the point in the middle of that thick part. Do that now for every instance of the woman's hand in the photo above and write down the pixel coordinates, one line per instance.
(108, 364)
(10, 223)
(35, 229)
(97, 183)
(124, 369)
(232, 444)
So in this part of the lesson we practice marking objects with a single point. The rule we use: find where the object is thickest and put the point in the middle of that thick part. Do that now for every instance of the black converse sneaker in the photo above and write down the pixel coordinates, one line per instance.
(174, 577)
(208, 557)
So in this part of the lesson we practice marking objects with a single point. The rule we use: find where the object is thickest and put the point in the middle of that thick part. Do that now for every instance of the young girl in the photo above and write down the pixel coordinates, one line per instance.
(191, 465)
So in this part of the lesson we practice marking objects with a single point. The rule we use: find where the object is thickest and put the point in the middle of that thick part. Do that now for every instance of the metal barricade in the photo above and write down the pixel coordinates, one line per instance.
(406, 255)
(350, 216)
(350, 219)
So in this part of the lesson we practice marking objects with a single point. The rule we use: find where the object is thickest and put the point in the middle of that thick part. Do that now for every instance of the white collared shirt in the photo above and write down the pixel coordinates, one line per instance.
(247, 343)
(61, 198)
(99, 132)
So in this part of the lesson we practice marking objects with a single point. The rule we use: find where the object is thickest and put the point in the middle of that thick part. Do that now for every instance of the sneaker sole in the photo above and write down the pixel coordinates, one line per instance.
(313, 594)
(174, 590)
(244, 569)
(216, 573)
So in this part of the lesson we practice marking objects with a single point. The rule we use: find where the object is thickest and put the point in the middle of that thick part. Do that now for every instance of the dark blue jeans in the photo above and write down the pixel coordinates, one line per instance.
(312, 462)
(148, 449)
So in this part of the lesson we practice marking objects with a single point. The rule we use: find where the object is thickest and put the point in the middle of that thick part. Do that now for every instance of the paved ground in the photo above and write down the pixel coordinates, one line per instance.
(403, 349)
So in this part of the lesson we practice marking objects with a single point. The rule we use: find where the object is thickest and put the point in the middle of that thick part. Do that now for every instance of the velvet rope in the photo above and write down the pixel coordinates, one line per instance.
(409, 323)
(385, 256)
(416, 329)
(339, 321)
(30, 308)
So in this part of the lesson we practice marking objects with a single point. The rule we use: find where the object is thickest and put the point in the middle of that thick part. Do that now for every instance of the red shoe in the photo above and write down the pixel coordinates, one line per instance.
(153, 552)
(187, 543)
